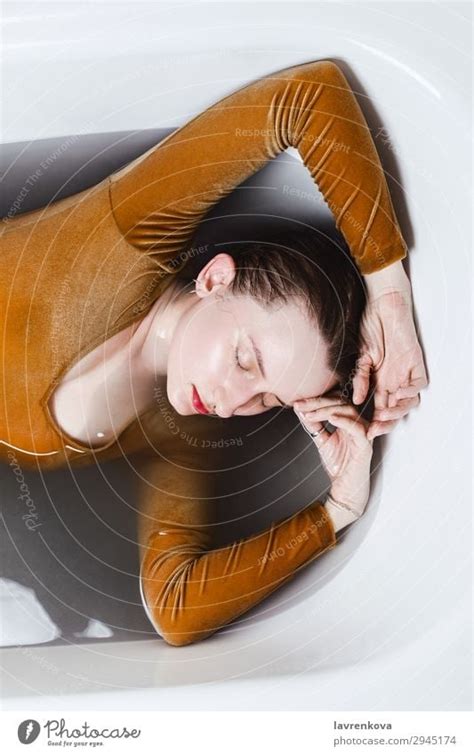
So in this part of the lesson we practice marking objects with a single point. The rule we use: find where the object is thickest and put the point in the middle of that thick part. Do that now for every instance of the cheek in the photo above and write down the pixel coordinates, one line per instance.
(201, 347)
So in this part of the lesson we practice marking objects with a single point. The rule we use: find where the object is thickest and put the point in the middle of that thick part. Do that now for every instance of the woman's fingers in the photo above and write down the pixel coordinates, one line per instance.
(361, 381)
(315, 426)
(416, 381)
(397, 412)
(325, 412)
(392, 401)
(380, 428)
(349, 424)
(409, 391)
(345, 416)
(317, 402)
(381, 398)
(328, 408)
(322, 434)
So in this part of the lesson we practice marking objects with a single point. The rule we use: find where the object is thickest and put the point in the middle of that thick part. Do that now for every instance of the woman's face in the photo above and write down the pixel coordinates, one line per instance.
(240, 357)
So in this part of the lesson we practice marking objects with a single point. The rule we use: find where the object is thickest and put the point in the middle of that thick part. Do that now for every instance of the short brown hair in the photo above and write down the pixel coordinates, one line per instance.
(319, 270)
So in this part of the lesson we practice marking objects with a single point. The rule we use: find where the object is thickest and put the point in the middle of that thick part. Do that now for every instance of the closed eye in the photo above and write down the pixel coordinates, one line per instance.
(247, 369)
(238, 362)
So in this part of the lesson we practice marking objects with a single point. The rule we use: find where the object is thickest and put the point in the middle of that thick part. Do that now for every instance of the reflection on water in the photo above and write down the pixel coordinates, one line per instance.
(23, 619)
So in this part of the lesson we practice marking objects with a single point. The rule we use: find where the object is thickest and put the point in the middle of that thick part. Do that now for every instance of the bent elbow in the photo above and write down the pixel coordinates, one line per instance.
(181, 637)
(168, 604)
(179, 629)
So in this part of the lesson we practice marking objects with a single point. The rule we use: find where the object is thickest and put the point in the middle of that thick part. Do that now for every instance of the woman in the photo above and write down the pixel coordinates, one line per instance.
(86, 286)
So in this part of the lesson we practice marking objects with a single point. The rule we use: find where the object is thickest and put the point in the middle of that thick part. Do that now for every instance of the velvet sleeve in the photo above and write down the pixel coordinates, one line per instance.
(159, 199)
(191, 589)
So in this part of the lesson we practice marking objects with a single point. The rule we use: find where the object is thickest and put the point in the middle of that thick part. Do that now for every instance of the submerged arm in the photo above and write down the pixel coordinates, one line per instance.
(190, 589)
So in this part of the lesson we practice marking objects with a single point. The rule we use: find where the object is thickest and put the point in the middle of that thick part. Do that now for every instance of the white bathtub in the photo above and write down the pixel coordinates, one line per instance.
(382, 622)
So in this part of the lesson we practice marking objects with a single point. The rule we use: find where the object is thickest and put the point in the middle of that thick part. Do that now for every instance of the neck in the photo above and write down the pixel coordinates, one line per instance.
(136, 369)
(154, 336)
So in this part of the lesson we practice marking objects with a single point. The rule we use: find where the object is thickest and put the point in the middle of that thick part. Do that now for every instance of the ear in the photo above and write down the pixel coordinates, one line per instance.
(217, 274)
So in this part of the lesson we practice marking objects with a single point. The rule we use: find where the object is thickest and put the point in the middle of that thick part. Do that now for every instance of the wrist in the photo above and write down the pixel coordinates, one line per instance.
(341, 514)
(388, 280)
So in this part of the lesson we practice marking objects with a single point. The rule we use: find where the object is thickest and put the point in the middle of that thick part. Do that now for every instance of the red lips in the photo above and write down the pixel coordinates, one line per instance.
(198, 404)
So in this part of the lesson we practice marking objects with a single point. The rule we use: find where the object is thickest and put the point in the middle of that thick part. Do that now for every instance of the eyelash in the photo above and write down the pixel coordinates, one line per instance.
(246, 370)
(237, 360)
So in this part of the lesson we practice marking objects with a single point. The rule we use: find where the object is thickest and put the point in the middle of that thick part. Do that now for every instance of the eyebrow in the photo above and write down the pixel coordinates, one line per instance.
(258, 355)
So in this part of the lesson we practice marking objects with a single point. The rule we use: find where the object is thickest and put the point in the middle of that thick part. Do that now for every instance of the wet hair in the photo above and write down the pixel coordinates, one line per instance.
(320, 272)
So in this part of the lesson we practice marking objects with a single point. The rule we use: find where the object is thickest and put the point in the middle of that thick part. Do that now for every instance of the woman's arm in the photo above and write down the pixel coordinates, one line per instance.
(389, 350)
(159, 199)
(191, 590)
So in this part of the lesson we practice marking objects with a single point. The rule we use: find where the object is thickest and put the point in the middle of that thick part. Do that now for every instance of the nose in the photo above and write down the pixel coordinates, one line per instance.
(222, 406)
(227, 402)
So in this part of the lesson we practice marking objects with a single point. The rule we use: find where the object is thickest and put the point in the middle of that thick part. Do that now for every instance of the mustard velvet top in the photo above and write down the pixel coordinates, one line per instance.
(85, 267)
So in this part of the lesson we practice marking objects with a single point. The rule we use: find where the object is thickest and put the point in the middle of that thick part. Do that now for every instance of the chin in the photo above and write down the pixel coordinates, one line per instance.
(178, 401)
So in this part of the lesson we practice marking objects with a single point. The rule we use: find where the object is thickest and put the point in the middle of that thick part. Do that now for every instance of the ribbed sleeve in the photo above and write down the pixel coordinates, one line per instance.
(191, 591)
(159, 199)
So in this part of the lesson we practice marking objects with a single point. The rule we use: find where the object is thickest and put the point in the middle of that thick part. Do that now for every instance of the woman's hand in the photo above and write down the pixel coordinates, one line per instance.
(346, 453)
(390, 350)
